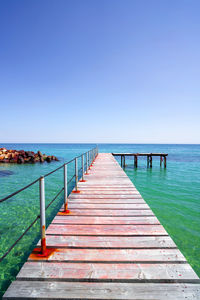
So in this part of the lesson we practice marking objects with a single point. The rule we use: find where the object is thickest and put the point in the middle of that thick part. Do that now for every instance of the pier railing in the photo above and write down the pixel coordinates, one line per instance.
(87, 159)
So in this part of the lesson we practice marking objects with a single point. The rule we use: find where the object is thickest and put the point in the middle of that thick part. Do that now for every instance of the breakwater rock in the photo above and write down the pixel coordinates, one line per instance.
(21, 156)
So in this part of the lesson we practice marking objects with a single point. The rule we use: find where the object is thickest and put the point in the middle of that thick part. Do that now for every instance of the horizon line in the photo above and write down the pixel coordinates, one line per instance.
(100, 143)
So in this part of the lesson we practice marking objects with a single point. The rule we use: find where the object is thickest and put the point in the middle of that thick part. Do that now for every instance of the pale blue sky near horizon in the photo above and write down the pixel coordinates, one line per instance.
(100, 71)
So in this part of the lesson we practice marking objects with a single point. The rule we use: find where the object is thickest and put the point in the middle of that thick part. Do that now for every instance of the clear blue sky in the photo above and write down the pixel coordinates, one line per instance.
(100, 71)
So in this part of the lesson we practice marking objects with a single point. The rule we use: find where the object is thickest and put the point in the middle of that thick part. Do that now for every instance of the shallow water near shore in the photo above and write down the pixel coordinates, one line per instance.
(173, 194)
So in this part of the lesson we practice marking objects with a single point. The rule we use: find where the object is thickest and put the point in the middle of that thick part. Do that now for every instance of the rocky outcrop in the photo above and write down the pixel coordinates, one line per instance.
(21, 156)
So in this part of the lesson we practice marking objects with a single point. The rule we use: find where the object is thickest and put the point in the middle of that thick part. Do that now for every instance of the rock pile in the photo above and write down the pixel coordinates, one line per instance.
(21, 156)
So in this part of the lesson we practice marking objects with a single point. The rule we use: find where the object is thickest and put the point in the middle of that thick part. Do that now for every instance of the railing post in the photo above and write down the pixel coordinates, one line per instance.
(42, 215)
(86, 163)
(65, 189)
(83, 180)
(82, 167)
(76, 174)
(89, 159)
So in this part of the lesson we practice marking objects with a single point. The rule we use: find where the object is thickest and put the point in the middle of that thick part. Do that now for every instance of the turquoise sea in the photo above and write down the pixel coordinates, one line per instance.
(173, 194)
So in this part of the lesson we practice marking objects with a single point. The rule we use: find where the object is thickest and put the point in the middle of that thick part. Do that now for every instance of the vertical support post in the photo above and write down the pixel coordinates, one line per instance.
(147, 161)
(165, 162)
(76, 174)
(82, 167)
(150, 161)
(42, 216)
(121, 160)
(135, 161)
(124, 162)
(86, 162)
(65, 188)
(92, 156)
(161, 159)
(89, 159)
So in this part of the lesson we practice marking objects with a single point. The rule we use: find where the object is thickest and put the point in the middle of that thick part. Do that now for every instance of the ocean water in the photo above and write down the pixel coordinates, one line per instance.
(173, 194)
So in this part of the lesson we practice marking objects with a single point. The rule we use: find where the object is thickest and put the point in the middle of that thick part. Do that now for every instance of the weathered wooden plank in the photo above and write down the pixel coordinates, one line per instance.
(110, 212)
(108, 272)
(100, 186)
(111, 201)
(114, 255)
(128, 206)
(108, 192)
(106, 189)
(105, 196)
(125, 242)
(127, 230)
(104, 220)
(43, 290)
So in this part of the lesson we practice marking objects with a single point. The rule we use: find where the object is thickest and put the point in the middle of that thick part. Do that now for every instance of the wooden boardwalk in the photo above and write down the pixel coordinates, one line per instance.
(110, 246)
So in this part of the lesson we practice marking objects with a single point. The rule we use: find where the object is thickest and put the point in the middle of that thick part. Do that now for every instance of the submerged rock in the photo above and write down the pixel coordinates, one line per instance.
(4, 173)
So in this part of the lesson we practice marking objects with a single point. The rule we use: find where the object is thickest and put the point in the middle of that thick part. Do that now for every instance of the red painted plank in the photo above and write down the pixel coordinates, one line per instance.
(111, 212)
(114, 255)
(115, 201)
(104, 220)
(119, 197)
(57, 241)
(107, 206)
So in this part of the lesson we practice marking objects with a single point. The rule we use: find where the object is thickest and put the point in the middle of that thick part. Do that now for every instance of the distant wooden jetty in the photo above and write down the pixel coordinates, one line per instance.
(163, 158)
(107, 245)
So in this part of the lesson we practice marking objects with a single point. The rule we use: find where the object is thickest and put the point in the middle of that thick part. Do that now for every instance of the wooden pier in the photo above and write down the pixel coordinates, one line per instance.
(110, 246)
(149, 156)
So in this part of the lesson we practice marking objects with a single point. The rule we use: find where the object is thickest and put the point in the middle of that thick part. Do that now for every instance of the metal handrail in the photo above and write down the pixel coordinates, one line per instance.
(90, 156)
(22, 189)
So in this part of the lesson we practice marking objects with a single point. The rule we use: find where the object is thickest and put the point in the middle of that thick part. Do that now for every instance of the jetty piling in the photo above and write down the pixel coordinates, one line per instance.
(163, 156)
(135, 161)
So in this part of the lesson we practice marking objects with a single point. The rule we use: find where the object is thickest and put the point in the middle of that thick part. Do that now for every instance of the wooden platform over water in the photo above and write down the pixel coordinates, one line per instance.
(111, 246)
(149, 156)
